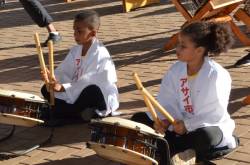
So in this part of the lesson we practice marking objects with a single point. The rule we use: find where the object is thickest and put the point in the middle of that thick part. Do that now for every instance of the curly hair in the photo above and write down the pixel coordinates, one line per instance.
(214, 37)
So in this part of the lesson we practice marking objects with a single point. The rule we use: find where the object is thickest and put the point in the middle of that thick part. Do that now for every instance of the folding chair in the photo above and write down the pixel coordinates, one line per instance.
(244, 16)
(214, 10)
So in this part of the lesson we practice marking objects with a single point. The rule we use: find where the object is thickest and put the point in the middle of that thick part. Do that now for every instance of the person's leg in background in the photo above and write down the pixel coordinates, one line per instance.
(42, 18)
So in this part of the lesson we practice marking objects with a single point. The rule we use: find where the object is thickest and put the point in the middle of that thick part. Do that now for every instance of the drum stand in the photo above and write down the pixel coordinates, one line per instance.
(9, 134)
(9, 155)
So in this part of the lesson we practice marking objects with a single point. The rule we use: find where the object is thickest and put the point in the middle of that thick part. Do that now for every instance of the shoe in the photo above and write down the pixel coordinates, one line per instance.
(244, 61)
(2, 3)
(53, 37)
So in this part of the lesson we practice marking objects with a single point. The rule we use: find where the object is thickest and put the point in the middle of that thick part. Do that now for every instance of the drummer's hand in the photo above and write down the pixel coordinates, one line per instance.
(179, 127)
(45, 75)
(57, 86)
(161, 126)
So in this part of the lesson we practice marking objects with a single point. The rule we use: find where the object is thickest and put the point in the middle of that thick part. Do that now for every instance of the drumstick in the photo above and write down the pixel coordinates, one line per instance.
(51, 69)
(40, 56)
(146, 100)
(157, 105)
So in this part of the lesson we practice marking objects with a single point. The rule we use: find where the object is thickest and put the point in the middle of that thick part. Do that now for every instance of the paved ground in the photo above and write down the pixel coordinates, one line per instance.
(135, 41)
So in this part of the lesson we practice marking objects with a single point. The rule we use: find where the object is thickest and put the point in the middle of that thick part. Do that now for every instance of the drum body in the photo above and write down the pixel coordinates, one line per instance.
(18, 108)
(127, 135)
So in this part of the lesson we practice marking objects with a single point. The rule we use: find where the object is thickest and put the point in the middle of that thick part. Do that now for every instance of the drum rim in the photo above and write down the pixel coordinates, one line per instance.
(36, 99)
(89, 143)
(8, 115)
(10, 119)
(101, 122)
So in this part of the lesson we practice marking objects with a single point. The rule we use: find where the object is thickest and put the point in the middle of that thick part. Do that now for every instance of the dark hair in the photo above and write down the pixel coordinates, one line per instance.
(214, 37)
(90, 17)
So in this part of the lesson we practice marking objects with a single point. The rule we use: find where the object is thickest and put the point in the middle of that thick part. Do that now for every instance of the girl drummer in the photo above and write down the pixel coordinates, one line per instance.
(195, 91)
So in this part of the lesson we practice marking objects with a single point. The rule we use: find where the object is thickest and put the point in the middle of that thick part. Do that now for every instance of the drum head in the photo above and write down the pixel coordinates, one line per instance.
(128, 124)
(21, 95)
(121, 155)
(11, 119)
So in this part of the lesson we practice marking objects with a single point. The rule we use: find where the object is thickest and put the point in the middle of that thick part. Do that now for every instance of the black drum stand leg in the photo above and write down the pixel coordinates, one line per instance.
(9, 155)
(46, 141)
(9, 134)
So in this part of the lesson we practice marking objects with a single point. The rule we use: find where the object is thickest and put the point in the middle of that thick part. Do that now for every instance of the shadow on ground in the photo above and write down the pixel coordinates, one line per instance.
(93, 160)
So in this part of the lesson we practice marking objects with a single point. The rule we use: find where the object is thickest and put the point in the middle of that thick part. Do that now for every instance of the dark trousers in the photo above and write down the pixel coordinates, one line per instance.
(90, 97)
(37, 12)
(202, 140)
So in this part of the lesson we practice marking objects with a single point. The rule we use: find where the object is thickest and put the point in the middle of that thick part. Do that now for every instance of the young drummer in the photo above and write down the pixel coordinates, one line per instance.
(85, 82)
(195, 91)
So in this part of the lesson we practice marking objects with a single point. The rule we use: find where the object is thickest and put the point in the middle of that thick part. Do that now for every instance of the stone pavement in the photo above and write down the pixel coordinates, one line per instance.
(135, 41)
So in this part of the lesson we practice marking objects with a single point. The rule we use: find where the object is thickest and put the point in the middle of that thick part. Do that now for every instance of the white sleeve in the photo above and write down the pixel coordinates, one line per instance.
(214, 109)
(167, 96)
(64, 71)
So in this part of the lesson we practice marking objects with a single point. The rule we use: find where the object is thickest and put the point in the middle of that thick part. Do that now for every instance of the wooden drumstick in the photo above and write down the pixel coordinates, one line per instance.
(156, 104)
(146, 100)
(51, 69)
(40, 56)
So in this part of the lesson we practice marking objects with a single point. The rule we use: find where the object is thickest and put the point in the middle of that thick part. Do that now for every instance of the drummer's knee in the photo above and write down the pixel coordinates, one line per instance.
(142, 117)
(44, 92)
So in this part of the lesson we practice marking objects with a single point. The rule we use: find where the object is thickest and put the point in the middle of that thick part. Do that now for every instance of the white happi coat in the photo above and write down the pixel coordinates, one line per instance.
(77, 72)
(205, 104)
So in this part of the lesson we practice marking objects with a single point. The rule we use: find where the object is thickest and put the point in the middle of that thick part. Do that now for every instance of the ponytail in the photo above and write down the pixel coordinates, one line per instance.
(214, 37)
